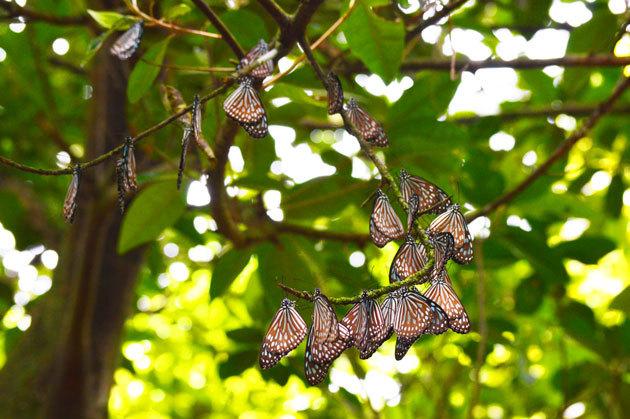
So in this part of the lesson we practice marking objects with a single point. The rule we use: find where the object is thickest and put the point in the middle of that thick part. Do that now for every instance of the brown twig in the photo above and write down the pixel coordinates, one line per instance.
(560, 151)
(275, 11)
(171, 27)
(220, 26)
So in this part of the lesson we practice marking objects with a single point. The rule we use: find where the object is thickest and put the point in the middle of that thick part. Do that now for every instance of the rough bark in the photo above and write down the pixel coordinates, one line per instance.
(62, 367)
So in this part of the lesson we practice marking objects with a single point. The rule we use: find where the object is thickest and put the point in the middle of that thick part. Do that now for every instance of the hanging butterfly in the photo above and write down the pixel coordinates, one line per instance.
(126, 172)
(409, 259)
(385, 225)
(414, 315)
(70, 203)
(196, 129)
(388, 309)
(243, 105)
(441, 291)
(258, 129)
(443, 247)
(314, 370)
(286, 331)
(188, 132)
(431, 198)
(335, 94)
(412, 211)
(174, 103)
(366, 325)
(128, 42)
(325, 329)
(452, 221)
(365, 126)
(265, 68)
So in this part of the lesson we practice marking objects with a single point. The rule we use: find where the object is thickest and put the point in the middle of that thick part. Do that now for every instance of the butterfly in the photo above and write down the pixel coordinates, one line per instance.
(265, 68)
(335, 93)
(70, 203)
(325, 329)
(128, 42)
(412, 211)
(314, 370)
(243, 105)
(443, 246)
(452, 221)
(197, 131)
(431, 198)
(441, 291)
(366, 325)
(388, 309)
(366, 127)
(409, 259)
(258, 129)
(126, 172)
(414, 315)
(188, 132)
(384, 223)
(286, 331)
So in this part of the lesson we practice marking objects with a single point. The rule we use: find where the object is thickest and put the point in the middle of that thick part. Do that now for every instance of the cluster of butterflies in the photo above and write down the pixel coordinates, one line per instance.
(406, 311)
(243, 105)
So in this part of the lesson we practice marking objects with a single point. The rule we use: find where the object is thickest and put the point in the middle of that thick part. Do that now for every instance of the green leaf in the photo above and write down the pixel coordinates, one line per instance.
(529, 295)
(378, 43)
(146, 70)
(579, 322)
(177, 11)
(94, 45)
(621, 301)
(247, 27)
(588, 249)
(154, 209)
(226, 269)
(246, 335)
(237, 363)
(614, 196)
(112, 20)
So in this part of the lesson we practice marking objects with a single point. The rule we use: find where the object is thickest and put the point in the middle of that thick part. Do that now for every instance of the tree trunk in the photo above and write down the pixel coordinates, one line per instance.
(62, 367)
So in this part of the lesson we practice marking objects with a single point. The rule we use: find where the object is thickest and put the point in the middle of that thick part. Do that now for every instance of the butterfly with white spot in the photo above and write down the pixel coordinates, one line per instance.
(128, 42)
(452, 221)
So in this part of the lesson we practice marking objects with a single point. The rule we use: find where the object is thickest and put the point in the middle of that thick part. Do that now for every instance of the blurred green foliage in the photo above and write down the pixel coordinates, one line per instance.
(554, 298)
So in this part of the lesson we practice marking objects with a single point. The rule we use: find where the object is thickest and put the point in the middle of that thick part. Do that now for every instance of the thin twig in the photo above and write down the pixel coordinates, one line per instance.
(171, 27)
(560, 151)
(275, 11)
(313, 233)
(220, 26)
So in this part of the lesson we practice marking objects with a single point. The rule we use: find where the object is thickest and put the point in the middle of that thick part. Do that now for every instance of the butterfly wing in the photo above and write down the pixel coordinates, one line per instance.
(243, 105)
(128, 42)
(443, 294)
(376, 331)
(431, 198)
(335, 93)
(409, 259)
(258, 129)
(70, 202)
(388, 309)
(384, 222)
(364, 125)
(266, 67)
(452, 221)
(413, 315)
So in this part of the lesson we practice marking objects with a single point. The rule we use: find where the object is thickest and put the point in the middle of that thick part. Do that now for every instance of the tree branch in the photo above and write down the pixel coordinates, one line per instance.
(220, 26)
(445, 11)
(275, 11)
(560, 151)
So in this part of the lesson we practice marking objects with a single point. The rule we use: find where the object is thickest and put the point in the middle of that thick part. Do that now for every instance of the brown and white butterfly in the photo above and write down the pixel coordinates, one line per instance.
(385, 225)
(409, 259)
(366, 325)
(70, 202)
(335, 93)
(430, 197)
(126, 172)
(452, 221)
(128, 42)
(441, 291)
(365, 126)
(286, 331)
(315, 370)
(243, 105)
(265, 68)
